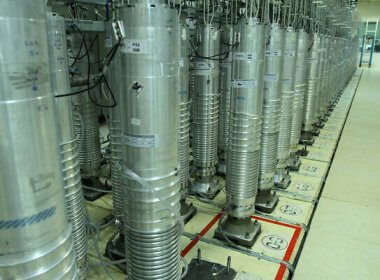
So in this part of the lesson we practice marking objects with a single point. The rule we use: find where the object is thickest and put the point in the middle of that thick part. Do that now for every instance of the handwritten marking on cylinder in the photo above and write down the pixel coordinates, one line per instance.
(27, 221)
(41, 182)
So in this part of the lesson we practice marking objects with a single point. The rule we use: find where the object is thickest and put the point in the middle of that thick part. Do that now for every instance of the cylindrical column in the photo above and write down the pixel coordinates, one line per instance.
(226, 45)
(35, 238)
(243, 151)
(206, 111)
(299, 91)
(68, 141)
(282, 178)
(187, 210)
(149, 77)
(311, 84)
(320, 93)
(85, 114)
(274, 50)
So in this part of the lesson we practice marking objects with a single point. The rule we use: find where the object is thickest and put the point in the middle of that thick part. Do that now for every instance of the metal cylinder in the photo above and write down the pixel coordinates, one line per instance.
(311, 83)
(243, 152)
(85, 112)
(115, 131)
(183, 105)
(299, 90)
(67, 139)
(287, 88)
(320, 93)
(271, 105)
(325, 77)
(35, 238)
(206, 102)
(149, 69)
(226, 39)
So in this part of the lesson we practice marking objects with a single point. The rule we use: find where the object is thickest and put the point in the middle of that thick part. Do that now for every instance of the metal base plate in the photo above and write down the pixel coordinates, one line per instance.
(294, 163)
(266, 201)
(307, 138)
(282, 181)
(93, 194)
(222, 168)
(188, 210)
(241, 231)
(319, 124)
(115, 250)
(206, 188)
(302, 152)
(201, 269)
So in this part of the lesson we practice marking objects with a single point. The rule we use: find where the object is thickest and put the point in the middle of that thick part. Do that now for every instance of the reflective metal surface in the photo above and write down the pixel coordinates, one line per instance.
(149, 71)
(67, 139)
(35, 238)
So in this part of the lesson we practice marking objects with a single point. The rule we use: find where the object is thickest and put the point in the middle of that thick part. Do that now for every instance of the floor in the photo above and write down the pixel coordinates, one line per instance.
(344, 240)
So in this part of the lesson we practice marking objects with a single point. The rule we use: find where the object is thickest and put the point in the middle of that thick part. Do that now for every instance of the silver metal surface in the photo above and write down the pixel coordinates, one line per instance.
(311, 83)
(274, 50)
(243, 152)
(85, 113)
(35, 238)
(206, 108)
(227, 41)
(287, 88)
(149, 77)
(67, 140)
(320, 93)
(299, 90)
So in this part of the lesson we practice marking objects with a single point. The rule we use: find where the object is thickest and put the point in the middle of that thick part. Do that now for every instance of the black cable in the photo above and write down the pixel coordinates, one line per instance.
(78, 56)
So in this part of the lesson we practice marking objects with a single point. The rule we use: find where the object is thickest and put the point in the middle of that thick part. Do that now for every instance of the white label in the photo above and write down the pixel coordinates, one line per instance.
(135, 46)
(204, 65)
(136, 121)
(273, 53)
(244, 56)
(225, 64)
(270, 77)
(181, 62)
(290, 54)
(243, 83)
(142, 141)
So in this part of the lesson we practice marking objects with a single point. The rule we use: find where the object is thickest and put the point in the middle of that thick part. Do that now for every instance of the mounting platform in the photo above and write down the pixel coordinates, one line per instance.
(266, 201)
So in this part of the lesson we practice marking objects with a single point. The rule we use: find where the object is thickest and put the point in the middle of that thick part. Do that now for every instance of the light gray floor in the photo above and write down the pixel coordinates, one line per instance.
(344, 239)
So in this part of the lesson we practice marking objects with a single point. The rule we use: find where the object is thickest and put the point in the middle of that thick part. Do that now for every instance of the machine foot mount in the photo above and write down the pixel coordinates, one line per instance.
(202, 269)
(207, 189)
(94, 188)
(307, 138)
(188, 210)
(115, 250)
(240, 231)
(282, 179)
(266, 201)
(294, 163)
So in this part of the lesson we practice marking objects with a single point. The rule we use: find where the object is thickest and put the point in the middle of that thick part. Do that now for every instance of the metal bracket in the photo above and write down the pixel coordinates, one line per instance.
(85, 25)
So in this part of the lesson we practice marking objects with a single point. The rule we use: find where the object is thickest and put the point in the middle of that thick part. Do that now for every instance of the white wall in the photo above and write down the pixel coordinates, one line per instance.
(369, 10)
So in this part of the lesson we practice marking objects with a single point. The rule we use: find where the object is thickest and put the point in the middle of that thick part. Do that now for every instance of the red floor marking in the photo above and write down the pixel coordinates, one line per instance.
(288, 254)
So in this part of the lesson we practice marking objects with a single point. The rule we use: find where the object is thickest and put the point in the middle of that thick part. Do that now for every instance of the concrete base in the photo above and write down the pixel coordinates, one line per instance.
(266, 201)
(241, 231)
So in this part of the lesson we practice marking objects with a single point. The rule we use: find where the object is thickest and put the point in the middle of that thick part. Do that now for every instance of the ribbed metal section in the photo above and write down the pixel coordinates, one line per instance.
(67, 139)
(149, 61)
(299, 90)
(243, 152)
(311, 83)
(206, 100)
(272, 105)
(287, 87)
(35, 237)
(226, 39)
(184, 110)
(325, 77)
